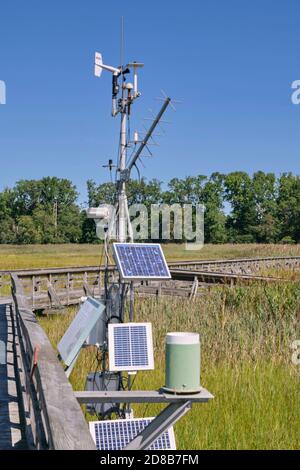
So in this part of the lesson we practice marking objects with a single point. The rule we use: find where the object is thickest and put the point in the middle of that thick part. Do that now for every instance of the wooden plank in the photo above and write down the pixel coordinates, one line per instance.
(11, 429)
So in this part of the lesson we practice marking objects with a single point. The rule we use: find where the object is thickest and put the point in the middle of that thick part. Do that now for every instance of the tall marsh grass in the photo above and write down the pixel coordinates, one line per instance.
(246, 335)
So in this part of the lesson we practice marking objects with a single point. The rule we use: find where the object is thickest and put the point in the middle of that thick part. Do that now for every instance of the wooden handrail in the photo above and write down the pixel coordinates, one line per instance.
(58, 420)
(177, 263)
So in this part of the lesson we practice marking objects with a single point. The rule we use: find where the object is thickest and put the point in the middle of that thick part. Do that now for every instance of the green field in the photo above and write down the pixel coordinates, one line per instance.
(43, 256)
(246, 335)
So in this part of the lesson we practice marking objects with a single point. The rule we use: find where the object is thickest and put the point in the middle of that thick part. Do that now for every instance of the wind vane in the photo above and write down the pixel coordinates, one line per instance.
(124, 95)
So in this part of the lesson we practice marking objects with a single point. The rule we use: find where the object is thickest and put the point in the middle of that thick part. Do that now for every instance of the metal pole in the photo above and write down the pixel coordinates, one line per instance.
(122, 165)
(131, 305)
(159, 425)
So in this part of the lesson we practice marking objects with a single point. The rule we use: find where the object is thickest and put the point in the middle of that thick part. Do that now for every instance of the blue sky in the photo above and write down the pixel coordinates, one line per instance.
(231, 62)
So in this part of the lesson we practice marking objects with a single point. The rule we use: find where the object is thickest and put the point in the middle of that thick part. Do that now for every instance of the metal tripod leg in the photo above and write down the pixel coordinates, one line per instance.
(159, 425)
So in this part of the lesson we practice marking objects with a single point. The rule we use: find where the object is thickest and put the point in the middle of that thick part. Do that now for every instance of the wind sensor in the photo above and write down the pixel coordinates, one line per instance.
(123, 96)
(124, 348)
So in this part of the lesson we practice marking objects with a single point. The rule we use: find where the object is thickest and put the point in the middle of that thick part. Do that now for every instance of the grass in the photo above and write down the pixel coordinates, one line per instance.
(246, 334)
(43, 256)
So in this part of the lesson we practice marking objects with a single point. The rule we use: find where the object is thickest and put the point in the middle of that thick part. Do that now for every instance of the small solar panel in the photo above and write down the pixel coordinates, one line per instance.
(130, 346)
(116, 434)
(141, 261)
(80, 328)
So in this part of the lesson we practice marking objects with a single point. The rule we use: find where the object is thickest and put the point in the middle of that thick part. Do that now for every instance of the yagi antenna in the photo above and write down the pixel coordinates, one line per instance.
(123, 96)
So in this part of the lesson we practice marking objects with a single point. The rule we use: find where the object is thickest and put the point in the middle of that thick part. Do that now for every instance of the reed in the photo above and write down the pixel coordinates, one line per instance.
(246, 335)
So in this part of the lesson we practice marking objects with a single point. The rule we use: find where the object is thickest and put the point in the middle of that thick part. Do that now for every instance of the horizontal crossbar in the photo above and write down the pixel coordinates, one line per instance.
(140, 396)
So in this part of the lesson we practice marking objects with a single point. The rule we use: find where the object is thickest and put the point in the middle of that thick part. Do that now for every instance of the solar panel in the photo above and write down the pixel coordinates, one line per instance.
(130, 346)
(140, 261)
(116, 434)
(80, 328)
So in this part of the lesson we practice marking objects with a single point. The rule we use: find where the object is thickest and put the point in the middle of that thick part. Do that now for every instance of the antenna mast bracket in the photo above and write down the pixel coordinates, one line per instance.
(124, 175)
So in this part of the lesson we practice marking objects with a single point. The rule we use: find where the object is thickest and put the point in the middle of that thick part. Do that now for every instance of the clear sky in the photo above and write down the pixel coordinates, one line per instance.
(232, 63)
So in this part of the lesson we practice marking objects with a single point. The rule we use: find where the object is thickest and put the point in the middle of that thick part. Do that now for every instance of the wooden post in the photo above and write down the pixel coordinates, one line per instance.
(33, 291)
(68, 287)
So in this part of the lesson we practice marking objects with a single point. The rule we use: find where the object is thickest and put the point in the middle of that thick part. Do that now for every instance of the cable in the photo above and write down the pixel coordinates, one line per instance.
(138, 172)
(123, 300)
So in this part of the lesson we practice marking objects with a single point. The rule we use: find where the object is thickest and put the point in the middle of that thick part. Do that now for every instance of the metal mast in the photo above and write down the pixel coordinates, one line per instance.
(122, 198)
(122, 106)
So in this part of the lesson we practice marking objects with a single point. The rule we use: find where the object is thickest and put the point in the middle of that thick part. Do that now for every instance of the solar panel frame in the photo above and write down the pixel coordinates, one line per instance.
(116, 434)
(128, 345)
(144, 261)
(80, 328)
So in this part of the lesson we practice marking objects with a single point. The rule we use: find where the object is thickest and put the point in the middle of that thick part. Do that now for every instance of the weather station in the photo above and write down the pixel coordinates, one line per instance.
(125, 347)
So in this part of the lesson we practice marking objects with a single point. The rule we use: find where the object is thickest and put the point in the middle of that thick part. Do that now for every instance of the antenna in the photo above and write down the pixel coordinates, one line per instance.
(110, 165)
(122, 105)
(122, 42)
(148, 135)
(128, 347)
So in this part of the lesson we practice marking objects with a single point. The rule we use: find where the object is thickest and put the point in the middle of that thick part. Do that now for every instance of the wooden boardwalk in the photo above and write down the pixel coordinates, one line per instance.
(11, 428)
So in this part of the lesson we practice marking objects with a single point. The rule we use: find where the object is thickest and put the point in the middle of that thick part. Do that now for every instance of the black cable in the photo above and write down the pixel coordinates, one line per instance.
(123, 299)
(116, 317)
(138, 172)
(131, 385)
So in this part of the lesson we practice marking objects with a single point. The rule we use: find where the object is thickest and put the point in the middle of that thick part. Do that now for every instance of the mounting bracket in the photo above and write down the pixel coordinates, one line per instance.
(177, 406)
(124, 175)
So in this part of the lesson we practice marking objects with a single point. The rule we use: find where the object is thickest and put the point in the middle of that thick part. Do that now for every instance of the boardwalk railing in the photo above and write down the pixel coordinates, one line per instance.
(54, 419)
(59, 287)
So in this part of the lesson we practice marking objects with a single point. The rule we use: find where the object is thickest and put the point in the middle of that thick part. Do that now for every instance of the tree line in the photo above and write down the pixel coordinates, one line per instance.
(239, 208)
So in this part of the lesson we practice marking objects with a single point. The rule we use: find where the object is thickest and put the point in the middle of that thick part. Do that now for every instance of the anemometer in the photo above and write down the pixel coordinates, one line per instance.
(124, 94)
(123, 346)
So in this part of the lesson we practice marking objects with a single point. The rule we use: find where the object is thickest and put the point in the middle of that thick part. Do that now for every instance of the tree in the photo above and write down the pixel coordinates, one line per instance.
(69, 228)
(288, 206)
(7, 230)
(240, 194)
(185, 191)
(266, 227)
(263, 209)
(214, 217)
(51, 205)
(7, 222)
(26, 230)
(102, 194)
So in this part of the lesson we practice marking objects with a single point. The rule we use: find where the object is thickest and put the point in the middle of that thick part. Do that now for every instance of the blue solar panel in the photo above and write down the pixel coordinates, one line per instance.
(116, 434)
(141, 261)
(130, 346)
